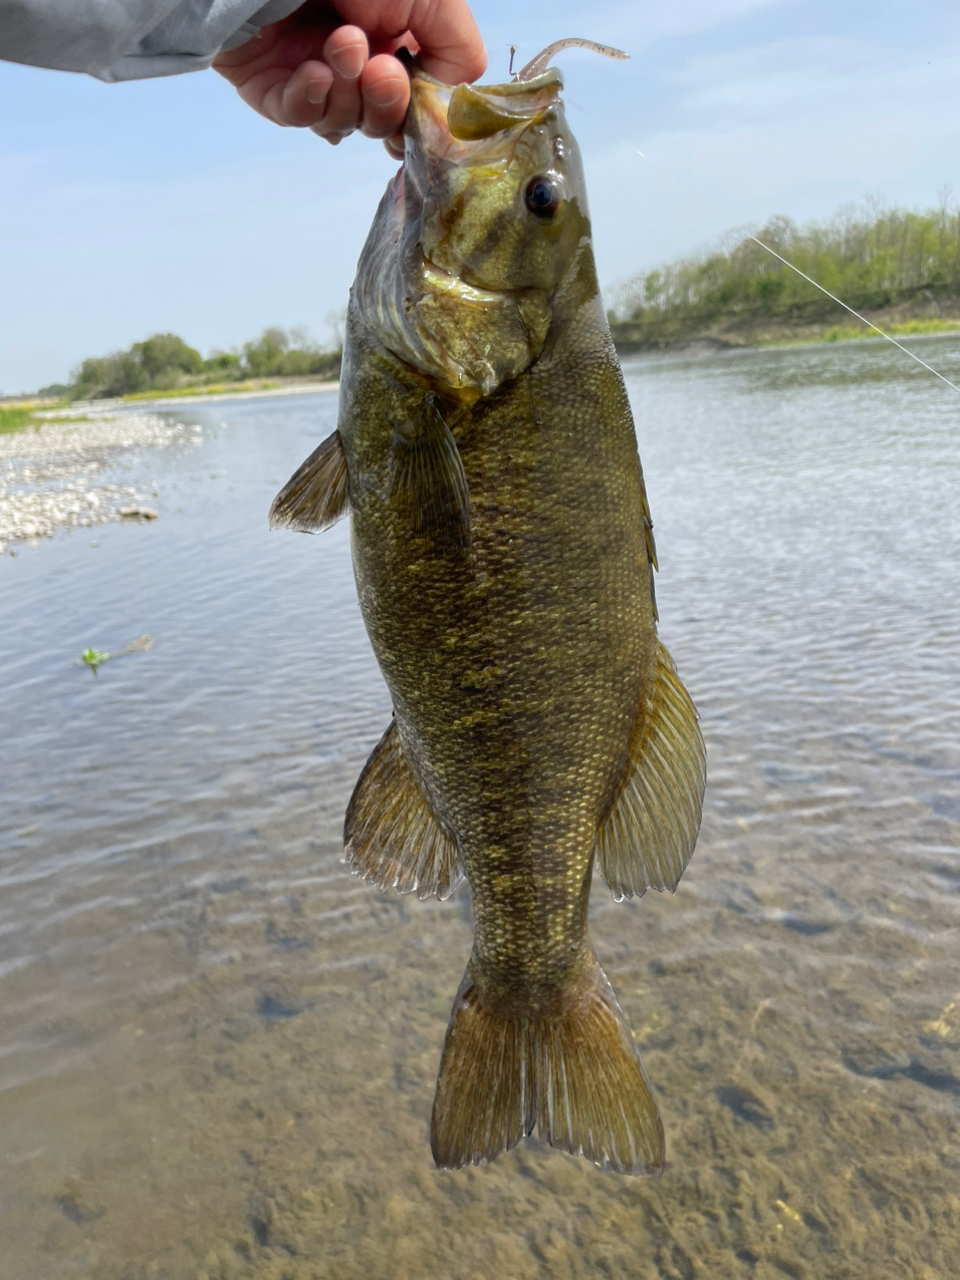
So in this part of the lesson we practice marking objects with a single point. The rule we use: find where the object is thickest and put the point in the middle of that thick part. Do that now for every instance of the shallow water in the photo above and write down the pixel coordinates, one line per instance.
(218, 1050)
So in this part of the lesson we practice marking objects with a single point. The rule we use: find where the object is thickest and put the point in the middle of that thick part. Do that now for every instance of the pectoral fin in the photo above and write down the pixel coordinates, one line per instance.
(391, 835)
(429, 483)
(647, 838)
(315, 496)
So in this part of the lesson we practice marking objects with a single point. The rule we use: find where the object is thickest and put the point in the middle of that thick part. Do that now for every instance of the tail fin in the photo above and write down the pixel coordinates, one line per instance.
(577, 1077)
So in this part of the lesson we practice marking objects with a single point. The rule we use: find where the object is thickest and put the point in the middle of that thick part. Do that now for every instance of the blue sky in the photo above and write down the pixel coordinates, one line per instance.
(168, 205)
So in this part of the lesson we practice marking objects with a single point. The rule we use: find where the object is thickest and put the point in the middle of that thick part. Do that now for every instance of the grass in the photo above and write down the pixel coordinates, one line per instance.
(921, 326)
(210, 389)
(221, 388)
(857, 332)
(778, 333)
(16, 420)
(849, 332)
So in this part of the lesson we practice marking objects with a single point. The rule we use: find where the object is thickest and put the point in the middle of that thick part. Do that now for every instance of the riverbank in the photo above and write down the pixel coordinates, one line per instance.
(57, 475)
(55, 458)
(18, 411)
(733, 331)
(54, 462)
(247, 390)
(630, 338)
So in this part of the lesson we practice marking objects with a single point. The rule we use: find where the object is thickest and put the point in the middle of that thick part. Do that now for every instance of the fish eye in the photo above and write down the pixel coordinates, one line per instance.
(543, 196)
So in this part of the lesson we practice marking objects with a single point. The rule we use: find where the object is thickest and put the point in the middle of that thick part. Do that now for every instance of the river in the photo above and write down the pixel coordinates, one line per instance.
(218, 1049)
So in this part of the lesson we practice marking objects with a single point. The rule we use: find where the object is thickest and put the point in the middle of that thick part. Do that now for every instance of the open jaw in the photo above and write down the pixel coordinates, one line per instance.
(451, 123)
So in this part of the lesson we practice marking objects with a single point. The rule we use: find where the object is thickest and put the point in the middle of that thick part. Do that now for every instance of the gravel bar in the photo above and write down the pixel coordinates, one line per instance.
(52, 478)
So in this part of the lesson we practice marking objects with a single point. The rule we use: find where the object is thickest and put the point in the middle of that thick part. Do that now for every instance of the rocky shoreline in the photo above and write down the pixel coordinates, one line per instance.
(56, 476)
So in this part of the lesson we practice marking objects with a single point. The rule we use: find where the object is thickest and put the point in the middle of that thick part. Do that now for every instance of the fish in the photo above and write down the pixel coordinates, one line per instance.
(504, 556)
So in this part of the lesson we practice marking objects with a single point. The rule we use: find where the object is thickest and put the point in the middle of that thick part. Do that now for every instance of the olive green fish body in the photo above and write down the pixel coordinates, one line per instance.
(518, 671)
(503, 554)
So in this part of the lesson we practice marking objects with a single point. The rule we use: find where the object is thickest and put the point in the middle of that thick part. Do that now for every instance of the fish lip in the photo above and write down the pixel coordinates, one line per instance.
(509, 88)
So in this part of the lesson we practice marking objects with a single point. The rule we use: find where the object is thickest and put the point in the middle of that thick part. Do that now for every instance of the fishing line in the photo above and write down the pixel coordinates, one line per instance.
(854, 313)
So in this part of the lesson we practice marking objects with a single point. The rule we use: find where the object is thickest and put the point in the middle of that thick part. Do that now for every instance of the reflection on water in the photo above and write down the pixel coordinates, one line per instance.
(218, 1050)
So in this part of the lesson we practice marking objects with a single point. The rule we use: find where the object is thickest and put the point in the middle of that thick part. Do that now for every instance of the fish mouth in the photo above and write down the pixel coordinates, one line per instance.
(446, 122)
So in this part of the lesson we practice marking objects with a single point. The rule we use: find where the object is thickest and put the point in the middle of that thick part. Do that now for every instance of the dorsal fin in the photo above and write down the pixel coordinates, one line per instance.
(391, 835)
(648, 836)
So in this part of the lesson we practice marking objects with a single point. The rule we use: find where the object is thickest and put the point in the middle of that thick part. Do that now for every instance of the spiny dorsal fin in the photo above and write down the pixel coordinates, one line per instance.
(647, 838)
(391, 835)
(315, 496)
(576, 1076)
(429, 482)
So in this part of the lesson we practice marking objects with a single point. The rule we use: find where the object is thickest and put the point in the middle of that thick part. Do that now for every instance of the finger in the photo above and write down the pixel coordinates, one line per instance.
(345, 52)
(264, 92)
(304, 99)
(385, 87)
(451, 47)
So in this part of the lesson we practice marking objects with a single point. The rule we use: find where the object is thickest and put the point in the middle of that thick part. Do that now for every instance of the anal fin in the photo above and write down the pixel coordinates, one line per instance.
(391, 835)
(648, 836)
(429, 483)
(315, 496)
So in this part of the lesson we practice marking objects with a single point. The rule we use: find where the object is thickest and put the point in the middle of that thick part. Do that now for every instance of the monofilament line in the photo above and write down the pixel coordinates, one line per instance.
(854, 313)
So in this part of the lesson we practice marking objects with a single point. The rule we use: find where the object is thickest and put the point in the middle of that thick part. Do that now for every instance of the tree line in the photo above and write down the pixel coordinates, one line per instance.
(870, 256)
(165, 362)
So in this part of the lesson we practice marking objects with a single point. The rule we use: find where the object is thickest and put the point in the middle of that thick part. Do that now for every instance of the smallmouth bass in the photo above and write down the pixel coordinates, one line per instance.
(504, 560)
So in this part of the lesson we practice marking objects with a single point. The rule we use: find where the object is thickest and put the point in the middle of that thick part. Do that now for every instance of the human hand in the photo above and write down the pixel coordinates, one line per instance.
(330, 67)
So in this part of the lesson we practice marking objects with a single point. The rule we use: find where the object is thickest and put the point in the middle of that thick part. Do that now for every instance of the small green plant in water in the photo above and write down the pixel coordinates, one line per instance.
(94, 658)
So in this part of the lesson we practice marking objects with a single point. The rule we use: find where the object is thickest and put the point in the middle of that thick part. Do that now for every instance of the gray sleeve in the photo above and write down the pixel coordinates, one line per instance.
(130, 39)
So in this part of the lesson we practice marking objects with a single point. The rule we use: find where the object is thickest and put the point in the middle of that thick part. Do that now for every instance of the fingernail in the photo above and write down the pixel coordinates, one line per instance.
(383, 95)
(348, 61)
(317, 93)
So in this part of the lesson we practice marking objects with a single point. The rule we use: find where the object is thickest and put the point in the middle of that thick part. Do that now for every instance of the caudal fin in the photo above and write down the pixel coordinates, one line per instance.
(578, 1078)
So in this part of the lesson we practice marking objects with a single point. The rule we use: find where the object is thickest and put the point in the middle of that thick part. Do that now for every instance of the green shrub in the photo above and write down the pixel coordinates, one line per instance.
(164, 362)
(870, 257)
